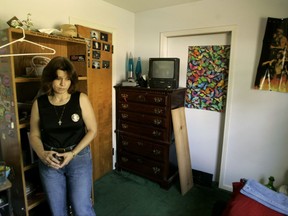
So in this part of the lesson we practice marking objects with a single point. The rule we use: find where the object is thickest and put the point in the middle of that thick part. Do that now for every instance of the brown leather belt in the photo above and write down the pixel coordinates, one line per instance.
(59, 150)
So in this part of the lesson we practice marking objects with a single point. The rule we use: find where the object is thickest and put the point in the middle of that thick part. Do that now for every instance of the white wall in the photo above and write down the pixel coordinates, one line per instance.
(256, 135)
(256, 128)
(96, 13)
(91, 13)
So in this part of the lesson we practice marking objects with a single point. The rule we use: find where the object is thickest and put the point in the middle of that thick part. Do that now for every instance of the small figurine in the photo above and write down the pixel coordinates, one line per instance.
(270, 183)
(28, 22)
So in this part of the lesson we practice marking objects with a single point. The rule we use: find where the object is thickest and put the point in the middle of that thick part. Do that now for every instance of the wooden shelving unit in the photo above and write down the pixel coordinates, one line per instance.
(17, 89)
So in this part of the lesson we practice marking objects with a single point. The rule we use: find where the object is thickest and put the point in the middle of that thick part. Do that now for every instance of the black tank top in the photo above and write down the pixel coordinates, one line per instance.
(72, 129)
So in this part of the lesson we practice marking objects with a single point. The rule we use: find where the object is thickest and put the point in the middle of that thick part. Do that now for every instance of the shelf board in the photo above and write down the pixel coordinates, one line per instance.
(37, 79)
(82, 78)
(6, 185)
(35, 200)
(49, 36)
(27, 79)
(30, 166)
(4, 205)
(24, 124)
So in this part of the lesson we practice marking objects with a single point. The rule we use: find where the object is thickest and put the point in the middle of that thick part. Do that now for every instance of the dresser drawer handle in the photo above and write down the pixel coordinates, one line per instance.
(141, 98)
(140, 143)
(124, 115)
(158, 99)
(125, 143)
(124, 126)
(156, 133)
(157, 121)
(124, 96)
(124, 106)
(158, 111)
(156, 152)
(124, 159)
(156, 170)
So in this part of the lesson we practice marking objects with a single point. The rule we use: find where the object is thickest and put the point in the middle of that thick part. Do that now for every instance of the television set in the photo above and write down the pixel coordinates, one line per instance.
(164, 73)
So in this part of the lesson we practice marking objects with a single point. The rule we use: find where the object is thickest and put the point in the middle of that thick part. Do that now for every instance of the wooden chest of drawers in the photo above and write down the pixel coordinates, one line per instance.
(145, 141)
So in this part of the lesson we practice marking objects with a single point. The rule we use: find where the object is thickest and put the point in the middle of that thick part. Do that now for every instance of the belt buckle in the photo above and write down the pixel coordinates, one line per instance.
(62, 150)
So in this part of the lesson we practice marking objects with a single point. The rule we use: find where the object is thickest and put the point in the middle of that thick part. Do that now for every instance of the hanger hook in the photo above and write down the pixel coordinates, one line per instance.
(23, 31)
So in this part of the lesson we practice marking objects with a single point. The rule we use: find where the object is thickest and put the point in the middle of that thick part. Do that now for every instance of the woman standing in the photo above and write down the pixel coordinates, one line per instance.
(62, 126)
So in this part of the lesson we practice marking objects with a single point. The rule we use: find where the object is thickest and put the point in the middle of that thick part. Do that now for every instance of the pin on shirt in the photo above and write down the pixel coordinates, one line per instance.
(75, 117)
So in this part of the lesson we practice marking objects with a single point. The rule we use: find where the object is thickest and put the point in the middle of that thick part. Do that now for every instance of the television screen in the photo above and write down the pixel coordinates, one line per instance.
(164, 72)
(163, 69)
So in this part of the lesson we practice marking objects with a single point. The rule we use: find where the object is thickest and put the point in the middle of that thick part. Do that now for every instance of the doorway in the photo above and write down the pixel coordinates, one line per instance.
(207, 131)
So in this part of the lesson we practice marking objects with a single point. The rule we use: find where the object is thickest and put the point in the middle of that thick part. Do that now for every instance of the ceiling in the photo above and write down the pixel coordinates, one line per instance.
(144, 5)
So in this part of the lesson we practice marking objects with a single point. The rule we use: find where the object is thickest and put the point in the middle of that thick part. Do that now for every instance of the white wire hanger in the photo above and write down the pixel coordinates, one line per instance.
(20, 40)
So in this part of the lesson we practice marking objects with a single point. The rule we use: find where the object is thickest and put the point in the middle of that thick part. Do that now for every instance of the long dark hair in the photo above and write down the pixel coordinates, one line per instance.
(50, 74)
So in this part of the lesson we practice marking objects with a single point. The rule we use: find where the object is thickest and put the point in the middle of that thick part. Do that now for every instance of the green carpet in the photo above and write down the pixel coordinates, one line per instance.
(124, 194)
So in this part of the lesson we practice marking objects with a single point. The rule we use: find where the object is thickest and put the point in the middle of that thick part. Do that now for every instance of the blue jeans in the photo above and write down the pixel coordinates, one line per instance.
(70, 185)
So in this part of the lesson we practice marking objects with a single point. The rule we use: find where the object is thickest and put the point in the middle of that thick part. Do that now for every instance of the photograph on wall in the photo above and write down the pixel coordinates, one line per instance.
(272, 70)
(96, 45)
(207, 77)
(106, 47)
(96, 64)
(94, 35)
(96, 54)
(106, 64)
(104, 36)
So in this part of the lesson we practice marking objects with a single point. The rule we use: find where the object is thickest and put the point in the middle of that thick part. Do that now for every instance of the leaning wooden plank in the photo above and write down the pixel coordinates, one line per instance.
(182, 149)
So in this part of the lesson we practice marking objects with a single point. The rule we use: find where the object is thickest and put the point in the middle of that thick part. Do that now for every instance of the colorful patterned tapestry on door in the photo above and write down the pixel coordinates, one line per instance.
(207, 77)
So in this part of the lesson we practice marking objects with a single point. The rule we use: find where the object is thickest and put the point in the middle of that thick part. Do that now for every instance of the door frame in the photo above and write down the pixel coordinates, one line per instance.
(164, 36)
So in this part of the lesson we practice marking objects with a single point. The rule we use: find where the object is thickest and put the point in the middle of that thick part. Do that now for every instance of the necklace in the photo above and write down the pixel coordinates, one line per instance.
(60, 118)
